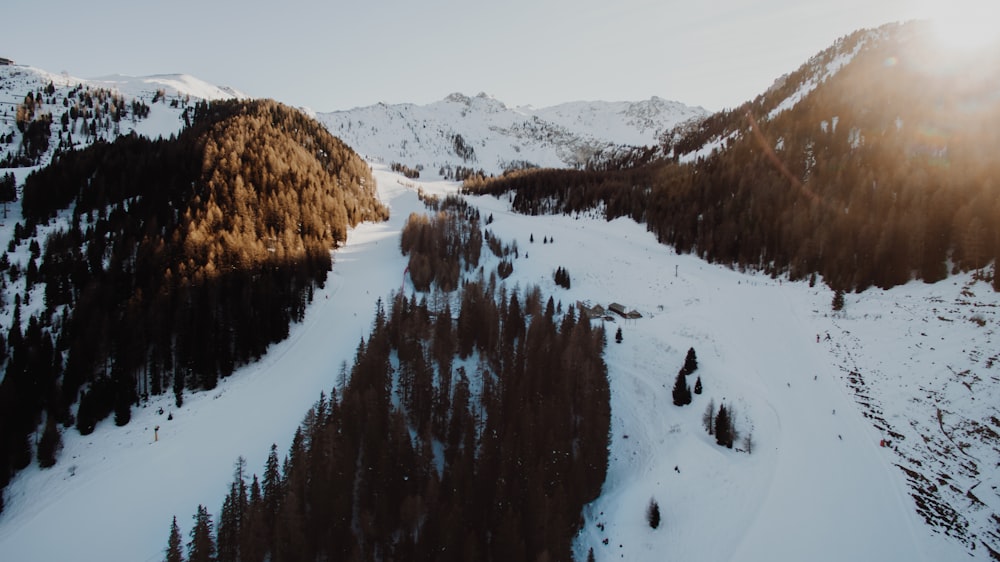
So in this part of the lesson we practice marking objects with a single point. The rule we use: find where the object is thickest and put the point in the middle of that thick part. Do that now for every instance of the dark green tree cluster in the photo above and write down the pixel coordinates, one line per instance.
(462, 149)
(561, 277)
(879, 175)
(522, 442)
(183, 259)
(8, 188)
(682, 392)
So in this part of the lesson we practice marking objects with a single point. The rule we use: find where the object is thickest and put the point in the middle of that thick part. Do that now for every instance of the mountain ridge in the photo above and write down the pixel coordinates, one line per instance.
(481, 132)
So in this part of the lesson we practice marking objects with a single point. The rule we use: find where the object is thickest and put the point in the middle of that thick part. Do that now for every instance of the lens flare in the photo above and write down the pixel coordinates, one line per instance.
(965, 25)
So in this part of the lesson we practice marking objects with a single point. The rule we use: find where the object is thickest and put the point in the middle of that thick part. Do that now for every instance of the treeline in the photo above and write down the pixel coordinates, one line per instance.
(479, 437)
(182, 260)
(880, 175)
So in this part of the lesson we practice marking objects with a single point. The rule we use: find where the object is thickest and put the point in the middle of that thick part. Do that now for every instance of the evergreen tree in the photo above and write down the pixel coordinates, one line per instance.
(697, 385)
(201, 548)
(174, 545)
(690, 362)
(681, 392)
(653, 513)
(723, 428)
(228, 536)
(618, 335)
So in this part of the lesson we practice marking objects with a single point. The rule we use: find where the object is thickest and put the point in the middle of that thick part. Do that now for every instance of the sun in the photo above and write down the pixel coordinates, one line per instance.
(965, 24)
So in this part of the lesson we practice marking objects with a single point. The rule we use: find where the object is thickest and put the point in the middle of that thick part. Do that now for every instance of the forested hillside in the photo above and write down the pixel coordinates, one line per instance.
(165, 264)
(478, 435)
(870, 166)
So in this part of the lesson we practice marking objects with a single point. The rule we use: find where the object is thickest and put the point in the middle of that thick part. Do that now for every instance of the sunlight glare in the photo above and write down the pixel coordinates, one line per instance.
(965, 24)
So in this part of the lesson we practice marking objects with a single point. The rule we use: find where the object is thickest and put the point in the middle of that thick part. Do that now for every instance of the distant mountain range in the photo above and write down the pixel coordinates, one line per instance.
(478, 133)
(482, 133)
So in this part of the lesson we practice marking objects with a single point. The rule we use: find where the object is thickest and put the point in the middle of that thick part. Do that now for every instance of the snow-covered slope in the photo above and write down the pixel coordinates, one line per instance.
(173, 85)
(817, 485)
(166, 96)
(482, 133)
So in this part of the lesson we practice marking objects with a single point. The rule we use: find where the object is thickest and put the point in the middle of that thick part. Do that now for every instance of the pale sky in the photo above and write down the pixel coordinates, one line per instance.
(338, 55)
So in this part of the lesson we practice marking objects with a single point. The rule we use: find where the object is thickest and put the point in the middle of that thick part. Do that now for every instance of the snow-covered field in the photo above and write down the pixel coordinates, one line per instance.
(817, 485)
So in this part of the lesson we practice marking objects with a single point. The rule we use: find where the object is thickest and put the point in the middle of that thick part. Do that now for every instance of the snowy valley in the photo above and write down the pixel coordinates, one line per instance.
(874, 430)
(816, 486)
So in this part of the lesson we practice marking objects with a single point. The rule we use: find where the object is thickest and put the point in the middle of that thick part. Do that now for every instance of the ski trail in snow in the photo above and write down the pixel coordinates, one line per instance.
(835, 478)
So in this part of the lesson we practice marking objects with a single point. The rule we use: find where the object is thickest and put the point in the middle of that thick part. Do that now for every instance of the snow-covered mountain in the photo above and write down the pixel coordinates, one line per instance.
(152, 106)
(913, 366)
(481, 132)
(477, 133)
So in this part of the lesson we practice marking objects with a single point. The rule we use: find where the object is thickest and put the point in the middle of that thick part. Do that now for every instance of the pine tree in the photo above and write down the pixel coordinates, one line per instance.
(272, 487)
(618, 335)
(697, 385)
(653, 513)
(690, 362)
(234, 512)
(173, 551)
(201, 548)
(681, 392)
(723, 428)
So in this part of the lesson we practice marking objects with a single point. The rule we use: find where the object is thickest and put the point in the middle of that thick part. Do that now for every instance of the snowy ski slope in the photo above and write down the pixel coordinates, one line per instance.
(817, 486)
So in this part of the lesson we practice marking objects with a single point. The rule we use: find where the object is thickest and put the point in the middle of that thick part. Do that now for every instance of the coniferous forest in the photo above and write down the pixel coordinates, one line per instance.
(474, 434)
(169, 263)
(877, 176)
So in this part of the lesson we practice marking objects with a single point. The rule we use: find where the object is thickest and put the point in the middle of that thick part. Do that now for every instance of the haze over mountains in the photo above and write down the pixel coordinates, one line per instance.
(869, 166)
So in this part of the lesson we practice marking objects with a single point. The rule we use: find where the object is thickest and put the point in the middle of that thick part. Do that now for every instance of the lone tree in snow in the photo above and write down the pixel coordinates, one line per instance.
(653, 513)
(618, 335)
(697, 386)
(724, 427)
(682, 393)
(690, 362)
